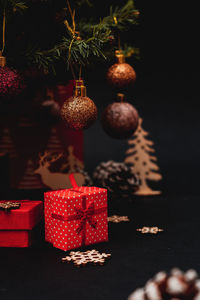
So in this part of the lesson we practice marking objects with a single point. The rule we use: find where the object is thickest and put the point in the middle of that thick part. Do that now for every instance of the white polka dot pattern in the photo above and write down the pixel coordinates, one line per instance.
(62, 233)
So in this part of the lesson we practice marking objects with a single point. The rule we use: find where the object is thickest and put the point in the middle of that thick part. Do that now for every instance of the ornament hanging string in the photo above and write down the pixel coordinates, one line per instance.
(71, 29)
(3, 33)
(75, 36)
(80, 70)
(118, 36)
(72, 70)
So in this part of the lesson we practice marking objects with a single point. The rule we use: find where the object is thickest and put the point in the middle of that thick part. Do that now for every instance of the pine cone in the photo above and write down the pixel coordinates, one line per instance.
(117, 178)
(175, 286)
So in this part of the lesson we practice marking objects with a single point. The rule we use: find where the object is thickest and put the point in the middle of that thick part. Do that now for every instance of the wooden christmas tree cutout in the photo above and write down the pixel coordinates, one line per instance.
(30, 180)
(6, 143)
(143, 163)
(57, 180)
(54, 143)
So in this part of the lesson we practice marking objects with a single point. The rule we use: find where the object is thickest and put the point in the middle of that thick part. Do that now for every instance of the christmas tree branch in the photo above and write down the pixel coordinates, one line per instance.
(119, 19)
(81, 51)
(80, 43)
(12, 6)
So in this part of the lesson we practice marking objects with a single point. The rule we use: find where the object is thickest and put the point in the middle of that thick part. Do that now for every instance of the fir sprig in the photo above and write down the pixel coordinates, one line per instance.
(12, 6)
(119, 19)
(81, 51)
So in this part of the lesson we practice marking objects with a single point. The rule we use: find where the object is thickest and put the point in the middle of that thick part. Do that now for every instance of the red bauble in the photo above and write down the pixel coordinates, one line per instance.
(120, 120)
(11, 83)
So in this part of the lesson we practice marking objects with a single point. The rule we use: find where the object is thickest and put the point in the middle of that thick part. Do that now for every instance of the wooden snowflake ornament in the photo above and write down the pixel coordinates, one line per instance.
(152, 230)
(88, 257)
(118, 219)
(8, 205)
(142, 161)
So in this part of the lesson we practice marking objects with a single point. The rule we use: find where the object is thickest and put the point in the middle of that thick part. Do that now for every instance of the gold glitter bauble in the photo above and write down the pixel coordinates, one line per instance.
(120, 120)
(121, 75)
(79, 112)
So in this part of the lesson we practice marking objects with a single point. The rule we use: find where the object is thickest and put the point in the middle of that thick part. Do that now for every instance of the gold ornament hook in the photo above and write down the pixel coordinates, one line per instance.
(2, 60)
(121, 97)
(120, 56)
(80, 89)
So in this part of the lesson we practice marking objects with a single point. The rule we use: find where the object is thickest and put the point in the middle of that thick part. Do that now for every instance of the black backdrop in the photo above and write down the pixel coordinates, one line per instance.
(166, 95)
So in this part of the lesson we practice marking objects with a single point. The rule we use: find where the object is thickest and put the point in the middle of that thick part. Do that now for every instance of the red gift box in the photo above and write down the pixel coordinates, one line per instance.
(76, 217)
(16, 225)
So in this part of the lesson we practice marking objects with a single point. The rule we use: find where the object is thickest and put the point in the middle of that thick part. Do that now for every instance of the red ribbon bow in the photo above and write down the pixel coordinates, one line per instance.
(84, 215)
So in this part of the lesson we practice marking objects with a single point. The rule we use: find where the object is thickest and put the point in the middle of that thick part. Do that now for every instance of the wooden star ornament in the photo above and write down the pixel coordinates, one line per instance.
(88, 257)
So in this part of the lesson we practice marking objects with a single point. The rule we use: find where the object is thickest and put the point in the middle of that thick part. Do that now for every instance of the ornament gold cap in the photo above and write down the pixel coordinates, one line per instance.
(80, 89)
(120, 97)
(2, 60)
(120, 56)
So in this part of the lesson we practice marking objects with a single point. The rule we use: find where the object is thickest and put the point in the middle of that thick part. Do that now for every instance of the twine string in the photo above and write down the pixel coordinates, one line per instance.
(75, 36)
(80, 72)
(118, 35)
(3, 32)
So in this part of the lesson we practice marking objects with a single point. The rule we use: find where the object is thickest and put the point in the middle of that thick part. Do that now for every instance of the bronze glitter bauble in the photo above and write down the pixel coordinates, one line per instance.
(120, 120)
(121, 75)
(79, 112)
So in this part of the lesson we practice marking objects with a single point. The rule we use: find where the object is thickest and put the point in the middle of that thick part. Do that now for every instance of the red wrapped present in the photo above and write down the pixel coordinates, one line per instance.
(17, 223)
(76, 217)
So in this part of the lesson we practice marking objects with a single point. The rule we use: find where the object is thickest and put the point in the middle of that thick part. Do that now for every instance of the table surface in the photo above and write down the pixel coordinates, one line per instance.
(37, 272)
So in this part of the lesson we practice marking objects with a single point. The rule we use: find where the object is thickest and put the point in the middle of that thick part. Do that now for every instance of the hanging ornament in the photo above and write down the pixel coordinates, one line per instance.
(120, 119)
(79, 111)
(11, 82)
(121, 75)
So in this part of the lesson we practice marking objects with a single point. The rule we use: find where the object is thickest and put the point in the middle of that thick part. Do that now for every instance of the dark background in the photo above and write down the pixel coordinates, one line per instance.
(166, 95)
